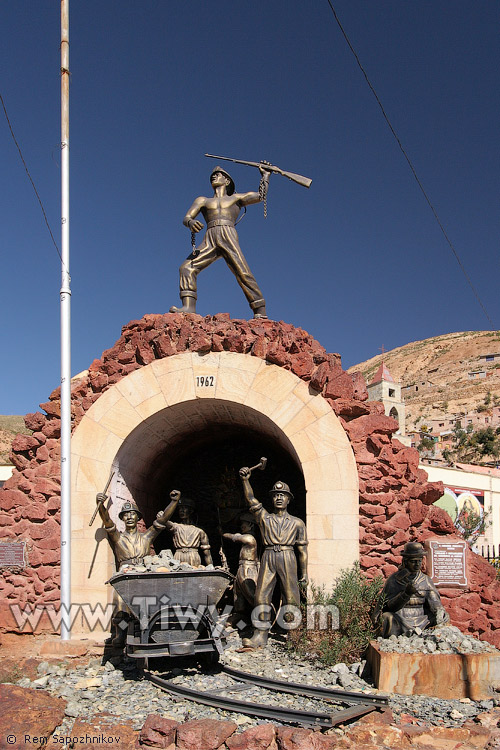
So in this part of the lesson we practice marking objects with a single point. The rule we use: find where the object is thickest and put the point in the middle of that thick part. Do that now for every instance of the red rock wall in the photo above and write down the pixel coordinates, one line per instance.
(395, 497)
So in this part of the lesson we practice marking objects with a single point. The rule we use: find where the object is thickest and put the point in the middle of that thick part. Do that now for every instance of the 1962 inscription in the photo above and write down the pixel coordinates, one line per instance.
(205, 381)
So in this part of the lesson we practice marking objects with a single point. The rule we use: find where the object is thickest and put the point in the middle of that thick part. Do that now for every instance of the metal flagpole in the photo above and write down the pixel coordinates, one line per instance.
(65, 296)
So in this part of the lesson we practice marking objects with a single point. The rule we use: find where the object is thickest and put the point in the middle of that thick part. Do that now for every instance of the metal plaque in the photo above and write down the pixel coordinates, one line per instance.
(13, 555)
(446, 562)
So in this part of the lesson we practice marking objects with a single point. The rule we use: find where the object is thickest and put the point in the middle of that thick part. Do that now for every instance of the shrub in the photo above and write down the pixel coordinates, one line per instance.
(355, 596)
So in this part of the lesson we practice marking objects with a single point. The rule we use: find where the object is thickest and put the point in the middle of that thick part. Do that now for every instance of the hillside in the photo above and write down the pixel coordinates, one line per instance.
(445, 376)
(10, 426)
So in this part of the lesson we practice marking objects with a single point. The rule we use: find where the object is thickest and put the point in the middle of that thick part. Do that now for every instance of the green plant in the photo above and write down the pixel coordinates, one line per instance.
(470, 525)
(426, 444)
(355, 596)
(447, 455)
(471, 447)
(496, 565)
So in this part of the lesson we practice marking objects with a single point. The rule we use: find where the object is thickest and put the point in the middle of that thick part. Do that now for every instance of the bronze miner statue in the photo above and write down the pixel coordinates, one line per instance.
(284, 539)
(221, 239)
(248, 569)
(131, 546)
(409, 599)
(187, 538)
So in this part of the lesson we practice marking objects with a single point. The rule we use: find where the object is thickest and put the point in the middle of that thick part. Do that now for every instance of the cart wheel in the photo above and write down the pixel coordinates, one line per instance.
(208, 659)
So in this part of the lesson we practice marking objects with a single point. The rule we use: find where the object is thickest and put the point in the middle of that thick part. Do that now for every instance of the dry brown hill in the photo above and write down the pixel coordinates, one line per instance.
(10, 426)
(443, 376)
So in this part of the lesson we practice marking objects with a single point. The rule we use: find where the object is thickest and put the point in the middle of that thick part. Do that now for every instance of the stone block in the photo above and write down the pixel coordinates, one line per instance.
(449, 676)
(158, 731)
(58, 648)
(261, 737)
(28, 713)
(90, 732)
(208, 734)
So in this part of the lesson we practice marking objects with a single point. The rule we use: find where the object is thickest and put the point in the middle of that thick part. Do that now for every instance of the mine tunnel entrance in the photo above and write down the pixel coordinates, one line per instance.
(198, 447)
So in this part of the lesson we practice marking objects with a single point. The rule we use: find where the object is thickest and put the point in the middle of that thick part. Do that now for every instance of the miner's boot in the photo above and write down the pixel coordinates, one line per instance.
(259, 308)
(258, 639)
(120, 625)
(188, 303)
(260, 633)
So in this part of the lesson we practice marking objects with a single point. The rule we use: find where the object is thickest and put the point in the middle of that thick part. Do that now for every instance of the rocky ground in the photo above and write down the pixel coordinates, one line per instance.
(443, 640)
(89, 693)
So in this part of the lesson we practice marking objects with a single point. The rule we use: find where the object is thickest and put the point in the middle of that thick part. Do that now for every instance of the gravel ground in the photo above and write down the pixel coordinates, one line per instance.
(117, 687)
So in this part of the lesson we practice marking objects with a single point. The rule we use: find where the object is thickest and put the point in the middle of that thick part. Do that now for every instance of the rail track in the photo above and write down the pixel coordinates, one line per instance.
(358, 704)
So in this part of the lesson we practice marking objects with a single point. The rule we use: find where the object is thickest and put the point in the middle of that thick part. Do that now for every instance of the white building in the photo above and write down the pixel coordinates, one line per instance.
(383, 388)
(475, 487)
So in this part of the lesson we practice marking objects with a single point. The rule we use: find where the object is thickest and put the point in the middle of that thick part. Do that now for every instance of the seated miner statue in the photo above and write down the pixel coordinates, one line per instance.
(248, 569)
(284, 538)
(409, 599)
(187, 538)
(131, 546)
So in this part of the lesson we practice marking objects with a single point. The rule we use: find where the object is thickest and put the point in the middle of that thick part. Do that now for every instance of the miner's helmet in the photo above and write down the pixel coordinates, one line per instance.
(230, 187)
(413, 549)
(281, 487)
(186, 502)
(129, 506)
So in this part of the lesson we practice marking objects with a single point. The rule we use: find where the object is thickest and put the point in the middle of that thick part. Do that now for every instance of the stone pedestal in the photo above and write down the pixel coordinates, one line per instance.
(449, 676)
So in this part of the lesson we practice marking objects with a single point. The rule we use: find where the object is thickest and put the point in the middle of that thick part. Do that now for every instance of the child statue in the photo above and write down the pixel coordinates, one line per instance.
(248, 569)
(187, 538)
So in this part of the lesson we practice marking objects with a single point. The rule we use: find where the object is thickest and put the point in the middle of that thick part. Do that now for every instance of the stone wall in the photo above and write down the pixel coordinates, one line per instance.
(395, 496)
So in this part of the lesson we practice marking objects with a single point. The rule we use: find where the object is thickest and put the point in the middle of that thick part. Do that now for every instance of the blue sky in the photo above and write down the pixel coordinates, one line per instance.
(358, 260)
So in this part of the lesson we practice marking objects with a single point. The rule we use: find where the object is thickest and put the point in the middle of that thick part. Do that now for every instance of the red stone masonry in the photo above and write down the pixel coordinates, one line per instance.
(394, 494)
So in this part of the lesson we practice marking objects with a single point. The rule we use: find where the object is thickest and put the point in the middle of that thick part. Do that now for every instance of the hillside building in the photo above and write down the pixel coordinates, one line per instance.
(383, 388)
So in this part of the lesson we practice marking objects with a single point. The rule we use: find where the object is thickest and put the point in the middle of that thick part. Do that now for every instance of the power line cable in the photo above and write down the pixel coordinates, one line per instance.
(457, 257)
(29, 176)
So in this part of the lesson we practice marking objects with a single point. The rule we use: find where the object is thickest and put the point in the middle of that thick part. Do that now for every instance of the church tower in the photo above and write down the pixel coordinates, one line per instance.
(383, 388)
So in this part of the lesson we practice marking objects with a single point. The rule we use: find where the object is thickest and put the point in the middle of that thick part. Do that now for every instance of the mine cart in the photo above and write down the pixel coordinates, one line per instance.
(174, 613)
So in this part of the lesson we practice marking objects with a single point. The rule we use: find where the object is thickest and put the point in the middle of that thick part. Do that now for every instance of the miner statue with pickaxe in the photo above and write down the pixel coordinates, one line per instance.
(284, 559)
(220, 212)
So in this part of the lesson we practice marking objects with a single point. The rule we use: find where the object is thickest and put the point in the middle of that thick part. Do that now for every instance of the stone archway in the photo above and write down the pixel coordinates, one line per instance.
(150, 409)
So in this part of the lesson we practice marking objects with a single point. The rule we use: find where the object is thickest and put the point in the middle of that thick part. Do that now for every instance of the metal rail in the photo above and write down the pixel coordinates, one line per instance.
(278, 713)
(379, 701)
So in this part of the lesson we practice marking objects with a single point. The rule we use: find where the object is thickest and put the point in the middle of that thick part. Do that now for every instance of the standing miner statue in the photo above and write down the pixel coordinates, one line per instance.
(220, 212)
(284, 538)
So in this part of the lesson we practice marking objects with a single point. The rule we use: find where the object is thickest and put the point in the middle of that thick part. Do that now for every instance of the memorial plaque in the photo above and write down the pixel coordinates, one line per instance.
(12, 555)
(446, 562)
